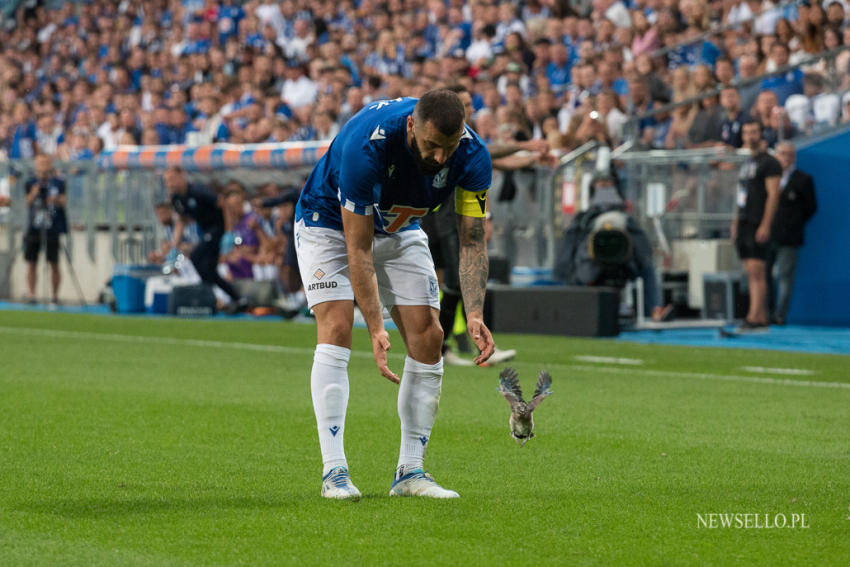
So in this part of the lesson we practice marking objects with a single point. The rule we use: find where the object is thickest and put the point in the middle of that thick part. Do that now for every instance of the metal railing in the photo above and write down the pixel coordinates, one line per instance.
(120, 202)
(682, 194)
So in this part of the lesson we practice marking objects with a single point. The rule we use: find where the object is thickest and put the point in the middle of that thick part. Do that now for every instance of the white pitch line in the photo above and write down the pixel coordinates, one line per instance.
(609, 360)
(363, 354)
(718, 377)
(788, 371)
(167, 341)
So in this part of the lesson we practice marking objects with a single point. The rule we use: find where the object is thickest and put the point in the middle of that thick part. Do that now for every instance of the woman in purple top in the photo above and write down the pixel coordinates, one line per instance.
(246, 231)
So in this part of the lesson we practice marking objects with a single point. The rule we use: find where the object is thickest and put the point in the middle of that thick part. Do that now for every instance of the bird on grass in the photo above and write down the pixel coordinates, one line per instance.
(522, 420)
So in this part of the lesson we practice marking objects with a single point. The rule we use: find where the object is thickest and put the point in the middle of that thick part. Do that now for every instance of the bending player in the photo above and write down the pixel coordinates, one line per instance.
(357, 237)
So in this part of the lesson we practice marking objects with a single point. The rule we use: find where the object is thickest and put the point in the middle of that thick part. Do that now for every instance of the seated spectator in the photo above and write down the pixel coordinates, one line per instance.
(835, 14)
(640, 104)
(724, 71)
(298, 89)
(706, 129)
(776, 125)
(558, 69)
(49, 135)
(733, 117)
(645, 38)
(788, 83)
(680, 126)
(246, 232)
(607, 104)
(814, 109)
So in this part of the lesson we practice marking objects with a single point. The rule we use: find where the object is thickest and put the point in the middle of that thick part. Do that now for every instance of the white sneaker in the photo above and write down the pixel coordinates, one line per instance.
(337, 485)
(452, 359)
(419, 483)
(500, 356)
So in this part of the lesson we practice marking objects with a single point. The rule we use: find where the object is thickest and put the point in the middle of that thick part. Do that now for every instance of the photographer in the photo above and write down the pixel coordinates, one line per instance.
(605, 246)
(46, 201)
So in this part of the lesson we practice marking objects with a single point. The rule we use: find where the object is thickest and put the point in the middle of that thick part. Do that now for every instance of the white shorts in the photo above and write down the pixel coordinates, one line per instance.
(403, 266)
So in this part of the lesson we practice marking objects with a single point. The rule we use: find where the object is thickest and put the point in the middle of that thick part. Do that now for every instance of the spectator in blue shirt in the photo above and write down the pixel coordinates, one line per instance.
(24, 145)
(229, 17)
(558, 69)
(788, 83)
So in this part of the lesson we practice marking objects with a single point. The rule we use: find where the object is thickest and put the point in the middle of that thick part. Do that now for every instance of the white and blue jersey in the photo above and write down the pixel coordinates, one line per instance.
(370, 169)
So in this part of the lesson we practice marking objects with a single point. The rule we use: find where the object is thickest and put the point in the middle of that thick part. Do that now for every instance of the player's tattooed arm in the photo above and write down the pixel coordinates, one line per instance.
(473, 282)
(473, 263)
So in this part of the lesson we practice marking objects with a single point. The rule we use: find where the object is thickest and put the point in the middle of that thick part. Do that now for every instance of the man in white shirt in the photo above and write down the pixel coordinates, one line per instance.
(298, 90)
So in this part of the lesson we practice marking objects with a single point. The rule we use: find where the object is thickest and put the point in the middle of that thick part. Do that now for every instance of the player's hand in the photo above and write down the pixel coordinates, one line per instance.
(733, 231)
(762, 234)
(380, 346)
(481, 337)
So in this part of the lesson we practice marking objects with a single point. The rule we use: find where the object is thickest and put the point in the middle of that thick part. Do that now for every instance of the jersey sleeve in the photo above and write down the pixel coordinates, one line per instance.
(358, 177)
(471, 193)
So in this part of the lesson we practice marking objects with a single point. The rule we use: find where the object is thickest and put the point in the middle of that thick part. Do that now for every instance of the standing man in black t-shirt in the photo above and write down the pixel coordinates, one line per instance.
(46, 201)
(191, 201)
(758, 198)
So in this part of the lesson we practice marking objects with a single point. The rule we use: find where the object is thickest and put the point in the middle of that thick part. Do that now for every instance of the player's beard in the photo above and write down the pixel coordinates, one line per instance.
(426, 166)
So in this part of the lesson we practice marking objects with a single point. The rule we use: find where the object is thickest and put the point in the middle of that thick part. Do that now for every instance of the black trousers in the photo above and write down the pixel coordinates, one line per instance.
(205, 259)
(441, 228)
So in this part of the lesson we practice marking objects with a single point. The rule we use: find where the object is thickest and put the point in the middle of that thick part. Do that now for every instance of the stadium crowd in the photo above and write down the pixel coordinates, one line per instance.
(99, 74)
(80, 77)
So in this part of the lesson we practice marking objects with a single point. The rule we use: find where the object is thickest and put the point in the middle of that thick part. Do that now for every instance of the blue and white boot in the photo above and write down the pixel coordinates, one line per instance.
(418, 483)
(337, 485)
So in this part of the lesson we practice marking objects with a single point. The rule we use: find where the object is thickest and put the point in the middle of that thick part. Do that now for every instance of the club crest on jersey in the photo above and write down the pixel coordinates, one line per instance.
(440, 179)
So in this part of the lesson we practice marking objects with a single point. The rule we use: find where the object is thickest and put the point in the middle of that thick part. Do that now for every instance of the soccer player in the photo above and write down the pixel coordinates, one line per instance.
(357, 237)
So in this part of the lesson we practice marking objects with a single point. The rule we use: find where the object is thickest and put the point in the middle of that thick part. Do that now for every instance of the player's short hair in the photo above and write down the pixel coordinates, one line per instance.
(443, 108)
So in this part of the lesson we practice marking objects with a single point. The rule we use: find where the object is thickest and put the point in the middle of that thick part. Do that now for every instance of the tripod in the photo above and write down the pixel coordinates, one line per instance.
(77, 286)
(64, 245)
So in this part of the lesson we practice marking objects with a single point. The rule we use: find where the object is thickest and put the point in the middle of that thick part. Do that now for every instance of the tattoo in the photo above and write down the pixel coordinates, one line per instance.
(473, 263)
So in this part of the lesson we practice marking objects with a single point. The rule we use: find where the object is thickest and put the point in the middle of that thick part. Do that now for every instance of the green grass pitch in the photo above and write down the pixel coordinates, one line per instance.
(140, 441)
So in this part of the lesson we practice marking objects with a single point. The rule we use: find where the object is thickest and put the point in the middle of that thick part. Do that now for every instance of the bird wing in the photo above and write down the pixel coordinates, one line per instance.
(544, 382)
(509, 387)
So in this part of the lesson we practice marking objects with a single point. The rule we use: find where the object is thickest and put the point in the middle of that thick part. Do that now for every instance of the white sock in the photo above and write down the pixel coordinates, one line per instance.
(418, 400)
(329, 385)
